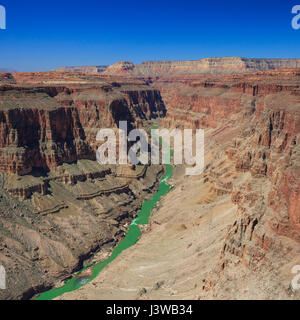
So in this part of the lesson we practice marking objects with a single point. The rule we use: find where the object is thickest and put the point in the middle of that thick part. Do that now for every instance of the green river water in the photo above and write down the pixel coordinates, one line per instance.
(130, 239)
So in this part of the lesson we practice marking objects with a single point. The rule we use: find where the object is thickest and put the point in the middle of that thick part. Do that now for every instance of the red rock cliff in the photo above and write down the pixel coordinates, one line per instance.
(43, 127)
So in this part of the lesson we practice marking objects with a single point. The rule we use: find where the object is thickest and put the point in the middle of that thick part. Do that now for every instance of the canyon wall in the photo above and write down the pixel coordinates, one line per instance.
(216, 66)
(59, 208)
(50, 125)
(253, 124)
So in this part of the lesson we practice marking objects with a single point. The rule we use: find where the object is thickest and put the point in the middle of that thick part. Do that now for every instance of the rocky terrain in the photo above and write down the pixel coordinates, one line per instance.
(234, 231)
(231, 233)
(59, 208)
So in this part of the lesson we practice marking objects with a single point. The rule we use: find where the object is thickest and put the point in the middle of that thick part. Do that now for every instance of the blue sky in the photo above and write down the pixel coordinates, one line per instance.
(43, 35)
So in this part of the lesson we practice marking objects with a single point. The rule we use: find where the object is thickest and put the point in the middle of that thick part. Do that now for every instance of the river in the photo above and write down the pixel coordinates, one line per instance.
(129, 240)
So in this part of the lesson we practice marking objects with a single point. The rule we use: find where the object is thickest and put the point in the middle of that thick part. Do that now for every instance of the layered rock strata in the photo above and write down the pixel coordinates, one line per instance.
(59, 208)
(215, 66)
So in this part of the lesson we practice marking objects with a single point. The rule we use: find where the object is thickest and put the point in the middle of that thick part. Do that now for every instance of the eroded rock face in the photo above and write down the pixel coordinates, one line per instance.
(79, 210)
(256, 124)
(47, 126)
(58, 206)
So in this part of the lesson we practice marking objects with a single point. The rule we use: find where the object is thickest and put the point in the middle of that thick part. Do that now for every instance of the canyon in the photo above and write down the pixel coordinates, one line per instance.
(59, 207)
(231, 233)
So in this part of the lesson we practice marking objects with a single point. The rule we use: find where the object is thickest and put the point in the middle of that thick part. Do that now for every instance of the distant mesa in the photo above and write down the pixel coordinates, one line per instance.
(121, 67)
(212, 66)
(83, 69)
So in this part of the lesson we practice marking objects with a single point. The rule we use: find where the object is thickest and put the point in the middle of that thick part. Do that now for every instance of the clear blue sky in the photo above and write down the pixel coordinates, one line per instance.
(43, 34)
